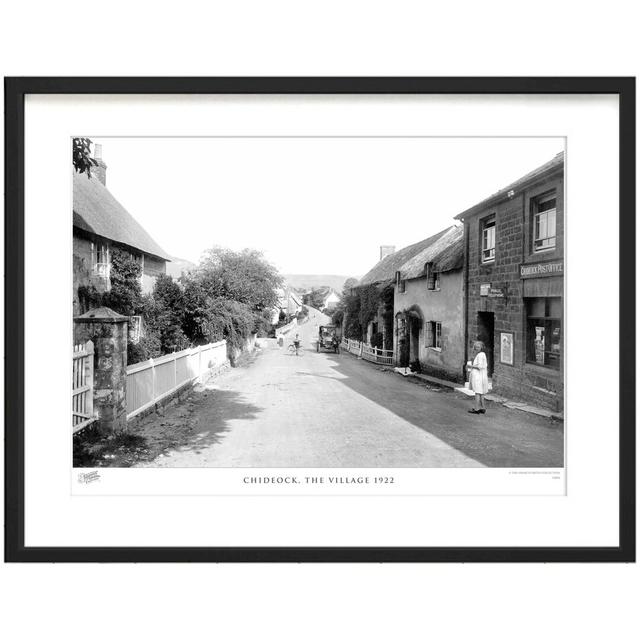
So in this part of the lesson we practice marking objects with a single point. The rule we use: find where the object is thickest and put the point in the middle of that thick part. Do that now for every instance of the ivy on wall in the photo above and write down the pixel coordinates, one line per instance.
(362, 305)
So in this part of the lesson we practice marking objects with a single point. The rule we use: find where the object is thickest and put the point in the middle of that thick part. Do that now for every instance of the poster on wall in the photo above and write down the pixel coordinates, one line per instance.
(506, 347)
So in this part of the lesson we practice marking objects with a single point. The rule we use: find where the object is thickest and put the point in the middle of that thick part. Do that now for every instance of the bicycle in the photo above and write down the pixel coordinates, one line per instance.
(293, 349)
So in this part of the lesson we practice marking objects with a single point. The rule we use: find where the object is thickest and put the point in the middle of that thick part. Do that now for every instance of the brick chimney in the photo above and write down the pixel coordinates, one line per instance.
(386, 250)
(99, 171)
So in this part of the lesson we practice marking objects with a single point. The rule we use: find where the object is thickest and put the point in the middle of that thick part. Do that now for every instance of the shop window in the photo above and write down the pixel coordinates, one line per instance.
(544, 223)
(489, 239)
(433, 334)
(544, 331)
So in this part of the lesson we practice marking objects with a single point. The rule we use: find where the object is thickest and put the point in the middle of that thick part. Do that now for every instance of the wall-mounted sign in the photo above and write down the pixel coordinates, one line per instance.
(506, 347)
(541, 269)
(486, 290)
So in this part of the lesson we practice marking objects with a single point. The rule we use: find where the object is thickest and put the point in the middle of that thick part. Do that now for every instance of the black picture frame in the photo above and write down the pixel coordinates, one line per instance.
(15, 91)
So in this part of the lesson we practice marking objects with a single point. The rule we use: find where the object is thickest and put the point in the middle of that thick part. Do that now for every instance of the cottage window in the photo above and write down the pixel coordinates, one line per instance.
(433, 335)
(544, 223)
(544, 331)
(433, 278)
(100, 259)
(489, 239)
(401, 284)
(139, 258)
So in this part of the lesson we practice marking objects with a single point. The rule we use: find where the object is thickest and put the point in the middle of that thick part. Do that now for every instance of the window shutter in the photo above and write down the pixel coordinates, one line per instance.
(428, 334)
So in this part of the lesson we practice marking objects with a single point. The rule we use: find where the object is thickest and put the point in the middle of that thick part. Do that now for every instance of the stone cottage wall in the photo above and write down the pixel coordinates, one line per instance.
(542, 386)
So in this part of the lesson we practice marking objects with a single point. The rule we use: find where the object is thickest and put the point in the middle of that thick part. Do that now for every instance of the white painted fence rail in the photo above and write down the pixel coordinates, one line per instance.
(82, 387)
(355, 347)
(380, 356)
(150, 381)
(366, 352)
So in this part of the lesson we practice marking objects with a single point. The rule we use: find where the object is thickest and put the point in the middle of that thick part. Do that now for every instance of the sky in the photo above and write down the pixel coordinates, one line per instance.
(311, 205)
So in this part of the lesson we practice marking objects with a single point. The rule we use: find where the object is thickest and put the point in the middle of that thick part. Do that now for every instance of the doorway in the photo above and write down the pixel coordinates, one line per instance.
(415, 326)
(485, 333)
(402, 353)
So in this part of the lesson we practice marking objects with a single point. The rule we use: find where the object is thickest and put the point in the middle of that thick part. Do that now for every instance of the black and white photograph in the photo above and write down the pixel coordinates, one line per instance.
(320, 320)
(355, 318)
(318, 302)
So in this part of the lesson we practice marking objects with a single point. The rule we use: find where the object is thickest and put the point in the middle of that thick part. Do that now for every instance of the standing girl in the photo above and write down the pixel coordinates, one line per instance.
(478, 376)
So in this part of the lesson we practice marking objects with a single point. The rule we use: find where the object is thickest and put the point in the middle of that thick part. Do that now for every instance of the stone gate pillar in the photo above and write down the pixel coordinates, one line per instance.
(108, 331)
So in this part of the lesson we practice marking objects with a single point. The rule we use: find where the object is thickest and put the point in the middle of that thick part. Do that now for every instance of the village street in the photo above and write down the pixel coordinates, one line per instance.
(328, 410)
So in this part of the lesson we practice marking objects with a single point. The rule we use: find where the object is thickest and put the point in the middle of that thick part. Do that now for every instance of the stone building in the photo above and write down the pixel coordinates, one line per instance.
(100, 224)
(514, 285)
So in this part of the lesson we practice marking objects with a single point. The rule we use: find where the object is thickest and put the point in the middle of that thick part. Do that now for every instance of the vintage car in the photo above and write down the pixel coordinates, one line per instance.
(328, 338)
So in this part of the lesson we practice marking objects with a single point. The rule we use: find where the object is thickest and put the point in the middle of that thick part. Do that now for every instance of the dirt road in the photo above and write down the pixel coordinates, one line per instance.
(328, 410)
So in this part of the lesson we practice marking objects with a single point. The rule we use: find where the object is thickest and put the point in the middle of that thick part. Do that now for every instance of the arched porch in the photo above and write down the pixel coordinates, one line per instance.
(409, 328)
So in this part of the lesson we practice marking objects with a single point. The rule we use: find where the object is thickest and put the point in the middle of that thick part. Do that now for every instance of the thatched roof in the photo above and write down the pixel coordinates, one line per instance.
(555, 164)
(385, 270)
(97, 211)
(445, 254)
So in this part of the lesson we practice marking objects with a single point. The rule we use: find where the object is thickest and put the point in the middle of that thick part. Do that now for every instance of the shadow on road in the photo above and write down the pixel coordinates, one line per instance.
(500, 438)
(192, 425)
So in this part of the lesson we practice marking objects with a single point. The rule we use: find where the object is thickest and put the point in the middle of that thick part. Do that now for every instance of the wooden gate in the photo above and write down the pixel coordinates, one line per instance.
(82, 387)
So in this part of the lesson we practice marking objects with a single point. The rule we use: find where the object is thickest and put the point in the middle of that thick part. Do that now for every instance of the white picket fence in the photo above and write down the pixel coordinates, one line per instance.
(366, 352)
(82, 387)
(150, 381)
(379, 356)
(352, 346)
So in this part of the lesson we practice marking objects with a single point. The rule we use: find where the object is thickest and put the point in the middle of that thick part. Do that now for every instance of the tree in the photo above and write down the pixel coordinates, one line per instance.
(229, 295)
(363, 305)
(208, 319)
(352, 327)
(197, 319)
(125, 294)
(165, 314)
(244, 276)
(349, 307)
(315, 298)
(349, 284)
(82, 160)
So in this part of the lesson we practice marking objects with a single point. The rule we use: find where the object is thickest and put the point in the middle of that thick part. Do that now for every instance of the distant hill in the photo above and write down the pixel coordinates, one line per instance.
(309, 281)
(177, 266)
